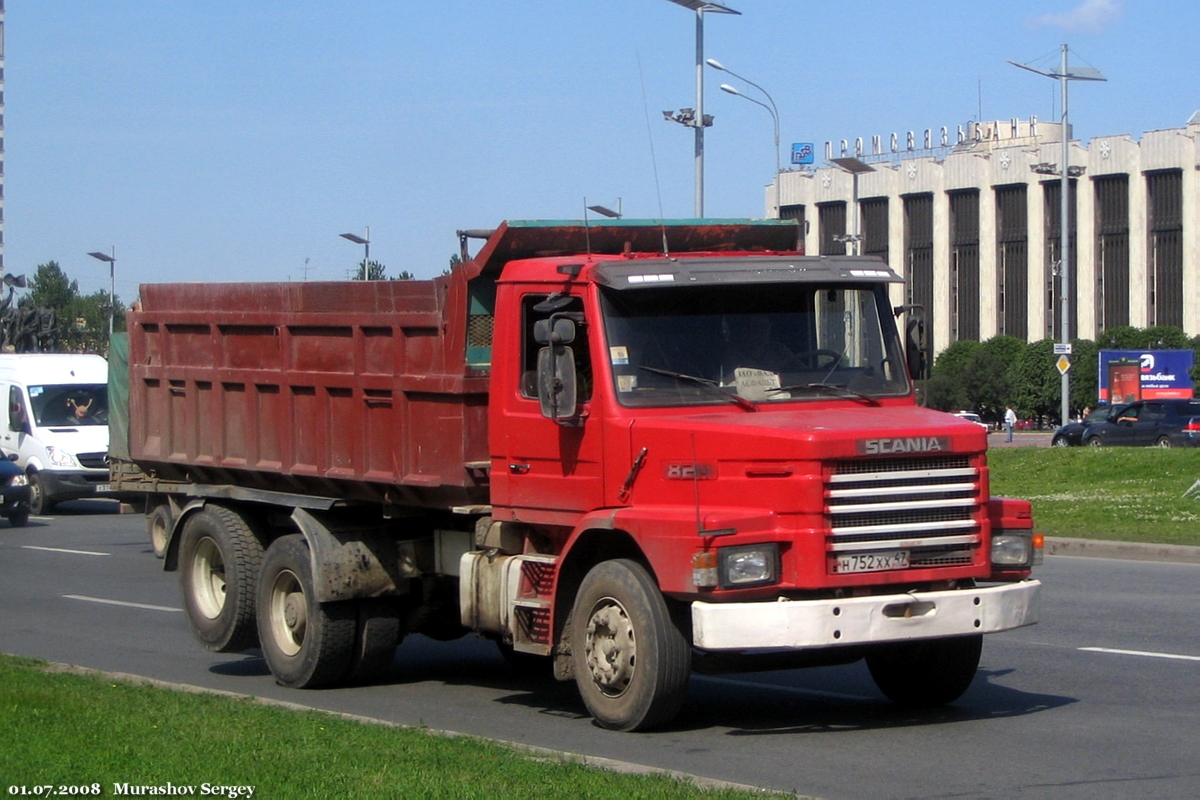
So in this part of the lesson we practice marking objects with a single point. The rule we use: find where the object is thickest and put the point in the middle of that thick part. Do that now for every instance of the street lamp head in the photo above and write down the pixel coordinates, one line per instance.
(103, 257)
(354, 238)
(712, 62)
(725, 87)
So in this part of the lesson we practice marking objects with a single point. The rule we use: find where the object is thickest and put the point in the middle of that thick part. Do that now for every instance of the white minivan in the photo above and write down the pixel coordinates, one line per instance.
(56, 422)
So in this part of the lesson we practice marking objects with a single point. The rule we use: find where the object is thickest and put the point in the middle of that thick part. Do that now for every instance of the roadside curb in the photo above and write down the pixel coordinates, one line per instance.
(1128, 551)
(536, 753)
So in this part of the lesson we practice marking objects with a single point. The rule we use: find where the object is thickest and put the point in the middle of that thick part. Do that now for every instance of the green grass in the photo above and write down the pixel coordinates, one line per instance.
(1131, 494)
(70, 729)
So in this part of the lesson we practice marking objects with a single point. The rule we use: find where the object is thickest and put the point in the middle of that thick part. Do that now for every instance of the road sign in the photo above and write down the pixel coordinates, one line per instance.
(1062, 349)
(1063, 364)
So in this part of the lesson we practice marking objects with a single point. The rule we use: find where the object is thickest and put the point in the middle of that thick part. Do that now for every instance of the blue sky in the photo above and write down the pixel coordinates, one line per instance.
(235, 140)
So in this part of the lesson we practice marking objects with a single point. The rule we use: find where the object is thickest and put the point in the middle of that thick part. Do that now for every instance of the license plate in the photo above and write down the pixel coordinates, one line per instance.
(871, 562)
(103, 487)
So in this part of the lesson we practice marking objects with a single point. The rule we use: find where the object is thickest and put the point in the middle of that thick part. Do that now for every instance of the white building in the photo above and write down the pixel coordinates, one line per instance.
(971, 221)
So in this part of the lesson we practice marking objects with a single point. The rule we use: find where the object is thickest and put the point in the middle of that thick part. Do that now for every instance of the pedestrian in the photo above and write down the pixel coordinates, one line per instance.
(1010, 421)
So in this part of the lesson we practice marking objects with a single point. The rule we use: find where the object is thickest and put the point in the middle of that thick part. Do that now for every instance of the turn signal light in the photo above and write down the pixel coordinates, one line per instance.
(1039, 543)
(704, 570)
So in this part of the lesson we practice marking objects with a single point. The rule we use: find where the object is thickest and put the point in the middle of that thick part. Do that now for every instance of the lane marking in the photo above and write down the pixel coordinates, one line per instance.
(119, 603)
(64, 550)
(789, 689)
(1144, 653)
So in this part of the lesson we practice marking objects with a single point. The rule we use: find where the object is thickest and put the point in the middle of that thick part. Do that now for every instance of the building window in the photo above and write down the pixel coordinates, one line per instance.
(1112, 252)
(1052, 194)
(918, 253)
(875, 227)
(1164, 194)
(964, 265)
(831, 218)
(1012, 261)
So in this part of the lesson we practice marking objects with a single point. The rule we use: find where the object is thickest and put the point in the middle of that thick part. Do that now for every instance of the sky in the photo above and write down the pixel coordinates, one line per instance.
(235, 140)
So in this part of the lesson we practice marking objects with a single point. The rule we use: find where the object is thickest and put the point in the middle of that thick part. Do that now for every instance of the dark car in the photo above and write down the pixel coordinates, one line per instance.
(1158, 423)
(1071, 435)
(14, 487)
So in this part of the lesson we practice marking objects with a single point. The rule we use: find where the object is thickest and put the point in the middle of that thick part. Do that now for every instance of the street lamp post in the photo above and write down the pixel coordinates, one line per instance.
(696, 119)
(365, 241)
(855, 167)
(111, 258)
(771, 109)
(1064, 75)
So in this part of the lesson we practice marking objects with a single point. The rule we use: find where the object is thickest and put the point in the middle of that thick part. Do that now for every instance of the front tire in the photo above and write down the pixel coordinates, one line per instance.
(926, 673)
(221, 558)
(307, 644)
(18, 519)
(39, 503)
(1060, 441)
(632, 661)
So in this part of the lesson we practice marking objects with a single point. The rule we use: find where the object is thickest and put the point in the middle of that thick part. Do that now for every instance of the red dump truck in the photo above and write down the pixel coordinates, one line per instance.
(627, 450)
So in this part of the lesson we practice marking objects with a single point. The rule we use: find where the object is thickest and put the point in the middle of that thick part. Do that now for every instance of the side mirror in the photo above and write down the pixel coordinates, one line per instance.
(555, 330)
(557, 385)
(916, 352)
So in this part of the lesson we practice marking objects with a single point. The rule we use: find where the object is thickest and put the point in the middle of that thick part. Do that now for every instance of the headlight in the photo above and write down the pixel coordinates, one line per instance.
(19, 480)
(1012, 549)
(749, 565)
(61, 458)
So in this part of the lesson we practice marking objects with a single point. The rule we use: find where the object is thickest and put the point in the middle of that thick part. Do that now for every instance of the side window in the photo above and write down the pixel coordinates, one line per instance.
(18, 417)
(529, 346)
(1154, 412)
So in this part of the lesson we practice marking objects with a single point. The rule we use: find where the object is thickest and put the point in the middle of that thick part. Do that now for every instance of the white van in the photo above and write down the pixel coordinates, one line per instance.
(56, 421)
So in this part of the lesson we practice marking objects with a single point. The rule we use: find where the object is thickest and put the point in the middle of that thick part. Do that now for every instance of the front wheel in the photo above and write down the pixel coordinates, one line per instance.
(39, 503)
(926, 673)
(306, 643)
(221, 557)
(1163, 442)
(19, 519)
(632, 660)
(1060, 441)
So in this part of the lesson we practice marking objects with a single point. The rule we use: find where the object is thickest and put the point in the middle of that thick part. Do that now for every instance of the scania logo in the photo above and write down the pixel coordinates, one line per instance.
(907, 444)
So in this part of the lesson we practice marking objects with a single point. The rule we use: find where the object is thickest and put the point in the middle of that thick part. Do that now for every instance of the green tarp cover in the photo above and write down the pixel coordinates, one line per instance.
(118, 396)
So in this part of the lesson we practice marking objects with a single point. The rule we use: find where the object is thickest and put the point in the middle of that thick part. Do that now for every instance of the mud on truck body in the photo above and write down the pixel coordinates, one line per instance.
(626, 450)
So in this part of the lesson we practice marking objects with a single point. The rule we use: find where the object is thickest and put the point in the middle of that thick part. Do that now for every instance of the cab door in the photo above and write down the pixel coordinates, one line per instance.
(550, 472)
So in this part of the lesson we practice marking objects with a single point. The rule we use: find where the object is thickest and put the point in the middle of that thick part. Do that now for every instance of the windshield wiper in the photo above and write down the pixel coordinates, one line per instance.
(829, 388)
(704, 382)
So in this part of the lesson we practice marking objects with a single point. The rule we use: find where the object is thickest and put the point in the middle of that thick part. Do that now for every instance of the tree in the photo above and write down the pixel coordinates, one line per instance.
(51, 288)
(1036, 382)
(989, 381)
(82, 320)
(946, 388)
(371, 271)
(404, 275)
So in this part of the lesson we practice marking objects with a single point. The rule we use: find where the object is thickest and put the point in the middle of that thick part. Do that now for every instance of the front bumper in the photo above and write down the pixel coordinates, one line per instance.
(75, 484)
(14, 499)
(802, 624)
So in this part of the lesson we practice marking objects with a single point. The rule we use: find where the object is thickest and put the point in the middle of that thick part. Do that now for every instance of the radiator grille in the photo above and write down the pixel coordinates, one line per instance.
(927, 506)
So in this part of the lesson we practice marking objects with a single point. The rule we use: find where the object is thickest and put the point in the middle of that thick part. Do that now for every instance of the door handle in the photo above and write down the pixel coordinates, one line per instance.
(518, 469)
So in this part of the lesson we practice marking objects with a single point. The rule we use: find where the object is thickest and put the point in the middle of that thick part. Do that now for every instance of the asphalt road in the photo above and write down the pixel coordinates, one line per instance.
(1101, 699)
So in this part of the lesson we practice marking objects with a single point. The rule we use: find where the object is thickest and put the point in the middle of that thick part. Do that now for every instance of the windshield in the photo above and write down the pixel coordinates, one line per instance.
(60, 405)
(763, 343)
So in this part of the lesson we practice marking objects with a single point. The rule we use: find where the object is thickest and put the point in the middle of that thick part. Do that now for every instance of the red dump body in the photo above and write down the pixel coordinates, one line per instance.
(290, 387)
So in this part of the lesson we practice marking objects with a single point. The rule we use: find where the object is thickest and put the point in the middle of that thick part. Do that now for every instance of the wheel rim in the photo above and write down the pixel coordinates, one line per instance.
(610, 647)
(208, 578)
(289, 613)
(1094, 442)
(1060, 442)
(35, 495)
(1164, 442)
(158, 535)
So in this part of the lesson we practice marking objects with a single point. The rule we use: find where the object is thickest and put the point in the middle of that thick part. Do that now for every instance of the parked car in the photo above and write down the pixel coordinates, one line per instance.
(1161, 423)
(14, 492)
(972, 417)
(1071, 434)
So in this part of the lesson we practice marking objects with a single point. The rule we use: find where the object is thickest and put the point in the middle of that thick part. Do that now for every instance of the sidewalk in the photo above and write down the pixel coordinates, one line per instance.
(1129, 551)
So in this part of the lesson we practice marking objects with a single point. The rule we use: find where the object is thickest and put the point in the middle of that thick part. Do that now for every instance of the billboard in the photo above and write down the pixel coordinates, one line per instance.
(1128, 375)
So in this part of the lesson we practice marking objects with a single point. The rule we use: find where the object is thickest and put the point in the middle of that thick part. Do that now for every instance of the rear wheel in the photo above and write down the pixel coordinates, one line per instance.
(158, 525)
(307, 644)
(632, 661)
(376, 637)
(221, 557)
(1095, 441)
(926, 673)
(1163, 441)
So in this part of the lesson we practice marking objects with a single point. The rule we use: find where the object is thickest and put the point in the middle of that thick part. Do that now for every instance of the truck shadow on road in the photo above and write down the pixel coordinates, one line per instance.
(817, 700)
